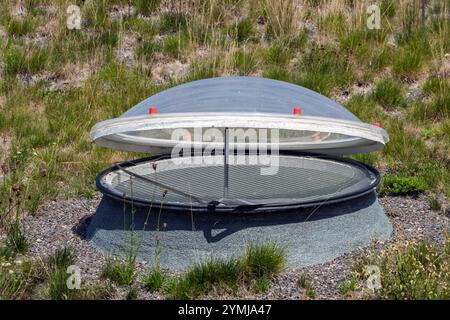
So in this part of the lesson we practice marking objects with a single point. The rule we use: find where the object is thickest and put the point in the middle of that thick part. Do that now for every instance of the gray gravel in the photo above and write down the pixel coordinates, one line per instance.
(64, 223)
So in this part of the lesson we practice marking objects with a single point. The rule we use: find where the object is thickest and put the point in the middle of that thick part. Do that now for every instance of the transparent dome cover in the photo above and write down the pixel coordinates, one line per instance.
(259, 112)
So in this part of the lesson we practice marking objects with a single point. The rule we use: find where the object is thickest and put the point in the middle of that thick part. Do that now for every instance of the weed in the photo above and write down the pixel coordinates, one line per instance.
(147, 49)
(400, 185)
(172, 22)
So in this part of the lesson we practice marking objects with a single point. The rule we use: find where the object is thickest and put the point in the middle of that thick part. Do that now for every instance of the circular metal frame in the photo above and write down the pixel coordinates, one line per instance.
(267, 205)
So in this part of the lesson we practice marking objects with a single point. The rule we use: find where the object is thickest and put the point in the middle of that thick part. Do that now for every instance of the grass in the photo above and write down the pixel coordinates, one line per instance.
(263, 261)
(61, 258)
(413, 271)
(119, 272)
(306, 284)
(348, 286)
(16, 241)
(242, 30)
(434, 203)
(389, 94)
(132, 294)
(147, 7)
(155, 280)
(45, 279)
(20, 27)
(16, 280)
(55, 274)
(400, 185)
(203, 277)
(48, 126)
(254, 269)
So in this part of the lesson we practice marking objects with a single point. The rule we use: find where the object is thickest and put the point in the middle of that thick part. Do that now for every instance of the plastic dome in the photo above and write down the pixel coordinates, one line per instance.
(306, 120)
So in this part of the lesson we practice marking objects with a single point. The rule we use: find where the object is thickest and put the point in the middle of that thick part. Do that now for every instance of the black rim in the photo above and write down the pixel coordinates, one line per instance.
(212, 207)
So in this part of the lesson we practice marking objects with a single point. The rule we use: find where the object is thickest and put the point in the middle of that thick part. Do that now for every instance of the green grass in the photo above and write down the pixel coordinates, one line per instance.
(20, 27)
(155, 280)
(389, 94)
(119, 272)
(434, 203)
(388, 8)
(61, 258)
(255, 269)
(132, 294)
(277, 53)
(305, 283)
(348, 286)
(324, 69)
(57, 275)
(147, 7)
(244, 63)
(264, 261)
(242, 30)
(400, 185)
(16, 241)
(16, 281)
(203, 277)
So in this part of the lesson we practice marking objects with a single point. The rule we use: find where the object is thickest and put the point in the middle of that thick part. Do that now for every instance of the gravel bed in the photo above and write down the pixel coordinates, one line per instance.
(61, 223)
(309, 236)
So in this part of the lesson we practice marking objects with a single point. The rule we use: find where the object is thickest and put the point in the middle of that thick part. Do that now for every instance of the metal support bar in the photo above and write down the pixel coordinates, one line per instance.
(174, 190)
(226, 156)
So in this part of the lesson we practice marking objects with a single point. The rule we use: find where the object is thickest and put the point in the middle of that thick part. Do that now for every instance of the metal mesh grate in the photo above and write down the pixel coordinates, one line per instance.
(299, 179)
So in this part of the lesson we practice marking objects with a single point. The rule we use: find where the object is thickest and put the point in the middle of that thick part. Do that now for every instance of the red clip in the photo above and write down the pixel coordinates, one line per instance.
(187, 138)
(297, 111)
(317, 138)
(152, 111)
(377, 124)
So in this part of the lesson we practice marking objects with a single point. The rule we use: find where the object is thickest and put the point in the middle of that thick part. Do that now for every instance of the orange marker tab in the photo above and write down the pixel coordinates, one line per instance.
(297, 111)
(152, 110)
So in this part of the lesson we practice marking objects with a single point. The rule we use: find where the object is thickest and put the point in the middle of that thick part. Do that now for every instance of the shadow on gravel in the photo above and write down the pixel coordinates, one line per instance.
(111, 215)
